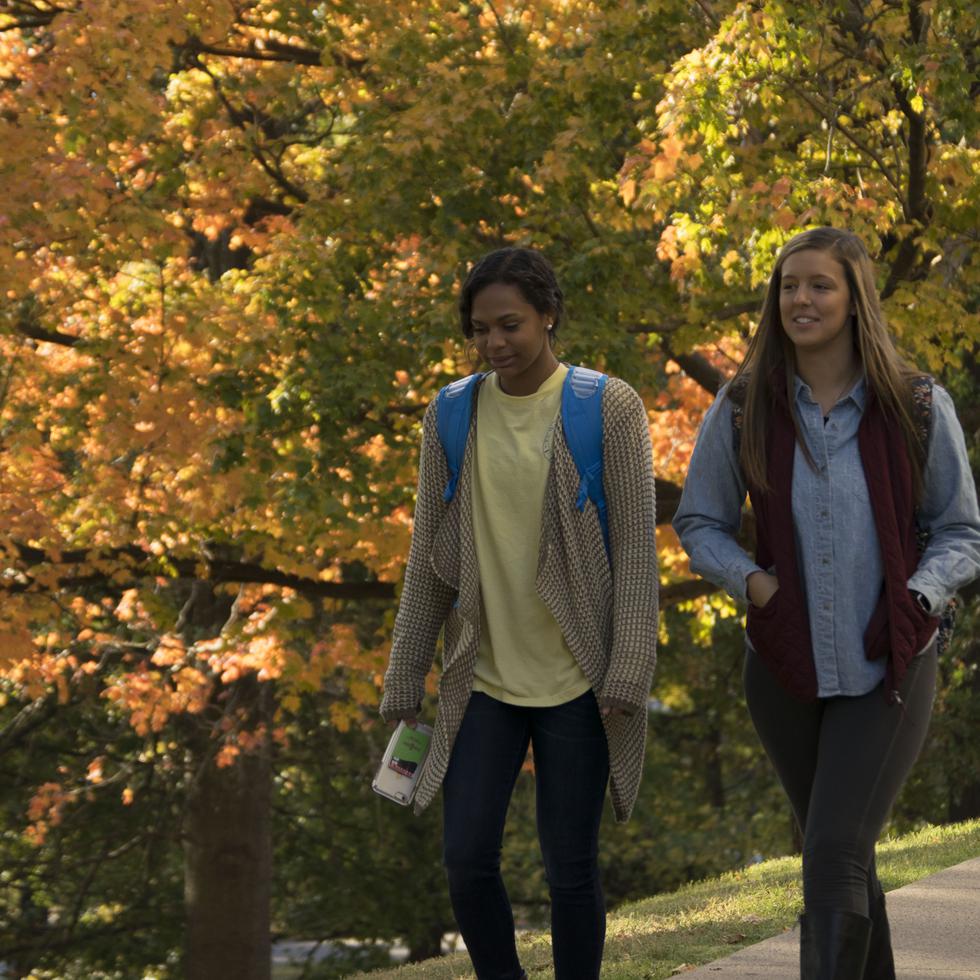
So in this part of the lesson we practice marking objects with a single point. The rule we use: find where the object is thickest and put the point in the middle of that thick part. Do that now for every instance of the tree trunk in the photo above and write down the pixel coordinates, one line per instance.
(227, 823)
(714, 773)
(228, 868)
(426, 944)
(964, 803)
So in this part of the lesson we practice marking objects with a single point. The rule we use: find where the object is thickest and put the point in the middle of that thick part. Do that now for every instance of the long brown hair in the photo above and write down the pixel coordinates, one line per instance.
(771, 354)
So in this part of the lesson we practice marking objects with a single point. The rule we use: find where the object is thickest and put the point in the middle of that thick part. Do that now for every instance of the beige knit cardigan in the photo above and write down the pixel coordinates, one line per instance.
(608, 616)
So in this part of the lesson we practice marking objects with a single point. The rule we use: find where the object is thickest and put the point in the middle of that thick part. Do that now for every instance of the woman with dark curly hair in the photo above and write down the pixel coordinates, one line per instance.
(547, 594)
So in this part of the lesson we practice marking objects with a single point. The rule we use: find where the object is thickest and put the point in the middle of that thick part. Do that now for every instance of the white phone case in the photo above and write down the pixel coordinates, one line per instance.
(401, 766)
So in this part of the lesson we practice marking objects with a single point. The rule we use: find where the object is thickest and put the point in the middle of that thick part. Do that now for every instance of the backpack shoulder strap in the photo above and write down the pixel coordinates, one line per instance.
(736, 396)
(454, 409)
(581, 419)
(921, 387)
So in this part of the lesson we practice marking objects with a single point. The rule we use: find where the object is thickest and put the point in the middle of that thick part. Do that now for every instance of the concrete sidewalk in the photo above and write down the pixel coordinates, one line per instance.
(935, 932)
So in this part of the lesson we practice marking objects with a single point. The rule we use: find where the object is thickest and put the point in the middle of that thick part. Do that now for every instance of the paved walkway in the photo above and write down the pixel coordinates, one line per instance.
(935, 931)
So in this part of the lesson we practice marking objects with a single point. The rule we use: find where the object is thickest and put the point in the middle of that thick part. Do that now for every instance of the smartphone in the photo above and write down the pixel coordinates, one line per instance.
(401, 766)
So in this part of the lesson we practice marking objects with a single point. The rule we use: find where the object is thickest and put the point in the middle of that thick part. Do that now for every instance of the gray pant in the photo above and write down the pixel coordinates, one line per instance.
(842, 762)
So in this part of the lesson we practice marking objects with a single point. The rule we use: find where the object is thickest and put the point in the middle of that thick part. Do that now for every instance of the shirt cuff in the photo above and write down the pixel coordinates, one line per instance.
(934, 596)
(738, 579)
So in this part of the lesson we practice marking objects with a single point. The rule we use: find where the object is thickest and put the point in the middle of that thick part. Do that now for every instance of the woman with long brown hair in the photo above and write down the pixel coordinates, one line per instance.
(866, 524)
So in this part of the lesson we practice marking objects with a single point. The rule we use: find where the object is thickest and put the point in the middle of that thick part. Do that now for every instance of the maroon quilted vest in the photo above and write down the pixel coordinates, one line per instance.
(780, 630)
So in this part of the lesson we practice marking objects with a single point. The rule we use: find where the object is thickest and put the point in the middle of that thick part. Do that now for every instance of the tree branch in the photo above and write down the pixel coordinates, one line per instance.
(674, 323)
(828, 112)
(30, 717)
(36, 332)
(140, 564)
(709, 14)
(916, 206)
(668, 497)
(697, 367)
(241, 121)
(273, 50)
(501, 27)
(27, 16)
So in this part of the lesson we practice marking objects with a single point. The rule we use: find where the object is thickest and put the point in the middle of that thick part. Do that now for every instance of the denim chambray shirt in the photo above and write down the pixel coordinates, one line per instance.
(836, 541)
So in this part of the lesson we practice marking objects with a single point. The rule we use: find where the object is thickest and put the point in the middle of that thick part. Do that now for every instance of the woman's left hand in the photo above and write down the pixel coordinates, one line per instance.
(614, 712)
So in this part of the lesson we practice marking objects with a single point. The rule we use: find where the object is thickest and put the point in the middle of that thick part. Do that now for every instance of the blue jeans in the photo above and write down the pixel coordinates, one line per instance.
(571, 768)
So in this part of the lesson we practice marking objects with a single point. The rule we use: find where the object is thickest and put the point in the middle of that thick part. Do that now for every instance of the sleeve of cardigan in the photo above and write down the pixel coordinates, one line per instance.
(425, 599)
(631, 504)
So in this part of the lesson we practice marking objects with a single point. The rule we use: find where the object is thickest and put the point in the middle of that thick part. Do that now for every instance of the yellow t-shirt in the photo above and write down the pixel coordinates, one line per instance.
(523, 657)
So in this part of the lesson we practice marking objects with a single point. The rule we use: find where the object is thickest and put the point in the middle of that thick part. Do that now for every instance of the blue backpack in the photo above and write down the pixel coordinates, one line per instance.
(581, 419)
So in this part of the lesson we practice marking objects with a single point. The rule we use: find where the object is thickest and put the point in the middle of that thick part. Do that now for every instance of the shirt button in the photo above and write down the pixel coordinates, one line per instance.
(826, 606)
(823, 514)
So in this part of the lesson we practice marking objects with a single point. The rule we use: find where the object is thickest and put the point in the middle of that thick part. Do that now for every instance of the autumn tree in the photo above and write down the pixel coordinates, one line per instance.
(230, 239)
(855, 114)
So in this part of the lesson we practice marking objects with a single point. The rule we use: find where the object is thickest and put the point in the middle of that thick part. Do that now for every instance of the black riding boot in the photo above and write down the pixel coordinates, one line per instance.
(881, 962)
(833, 945)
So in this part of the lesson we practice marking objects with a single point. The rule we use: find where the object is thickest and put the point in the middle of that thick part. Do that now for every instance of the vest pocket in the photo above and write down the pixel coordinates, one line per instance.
(780, 634)
(768, 609)
(765, 629)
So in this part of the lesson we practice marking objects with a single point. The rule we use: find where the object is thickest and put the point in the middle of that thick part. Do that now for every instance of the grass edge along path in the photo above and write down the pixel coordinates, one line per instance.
(668, 934)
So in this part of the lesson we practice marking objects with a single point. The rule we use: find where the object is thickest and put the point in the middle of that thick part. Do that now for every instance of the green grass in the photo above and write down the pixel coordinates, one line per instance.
(661, 936)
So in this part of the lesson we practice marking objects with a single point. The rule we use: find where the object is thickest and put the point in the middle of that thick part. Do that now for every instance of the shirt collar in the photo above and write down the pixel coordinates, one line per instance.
(858, 394)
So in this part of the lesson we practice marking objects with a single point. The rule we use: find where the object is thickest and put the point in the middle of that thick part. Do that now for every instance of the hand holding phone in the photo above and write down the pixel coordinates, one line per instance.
(398, 775)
